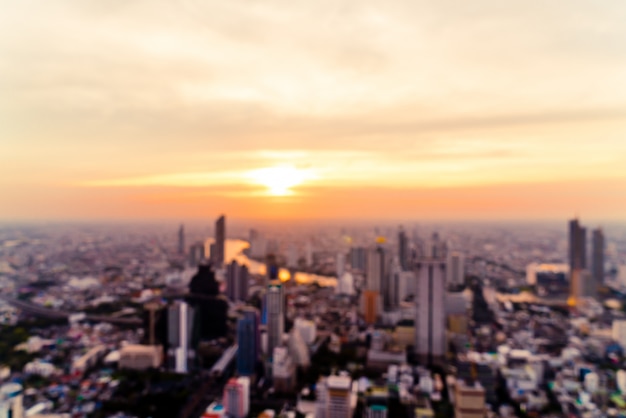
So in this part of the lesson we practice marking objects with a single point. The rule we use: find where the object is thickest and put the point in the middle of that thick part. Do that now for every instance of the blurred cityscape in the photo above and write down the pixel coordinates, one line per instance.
(321, 321)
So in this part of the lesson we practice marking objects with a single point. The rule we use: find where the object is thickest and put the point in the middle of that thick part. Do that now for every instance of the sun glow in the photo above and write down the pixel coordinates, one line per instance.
(280, 179)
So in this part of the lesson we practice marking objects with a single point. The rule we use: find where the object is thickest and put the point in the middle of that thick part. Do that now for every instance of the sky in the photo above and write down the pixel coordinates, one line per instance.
(290, 109)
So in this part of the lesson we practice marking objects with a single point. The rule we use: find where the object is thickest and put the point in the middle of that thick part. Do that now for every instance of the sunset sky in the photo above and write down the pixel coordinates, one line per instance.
(153, 109)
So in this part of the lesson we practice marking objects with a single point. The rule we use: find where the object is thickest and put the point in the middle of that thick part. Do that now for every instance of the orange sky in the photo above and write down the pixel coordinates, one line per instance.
(367, 110)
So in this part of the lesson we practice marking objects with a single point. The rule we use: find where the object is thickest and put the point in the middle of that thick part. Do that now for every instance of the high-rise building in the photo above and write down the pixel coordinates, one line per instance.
(307, 329)
(597, 260)
(339, 397)
(455, 272)
(292, 257)
(249, 341)
(403, 249)
(358, 259)
(283, 371)
(181, 240)
(275, 315)
(237, 397)
(371, 305)
(220, 240)
(309, 255)
(345, 284)
(180, 323)
(340, 264)
(196, 254)
(430, 318)
(271, 267)
(376, 280)
(237, 282)
(577, 246)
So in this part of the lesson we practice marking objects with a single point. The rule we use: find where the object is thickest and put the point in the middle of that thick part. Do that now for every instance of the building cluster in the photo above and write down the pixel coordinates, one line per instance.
(411, 325)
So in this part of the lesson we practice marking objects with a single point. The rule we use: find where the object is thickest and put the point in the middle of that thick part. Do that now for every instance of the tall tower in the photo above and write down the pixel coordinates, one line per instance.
(180, 321)
(220, 240)
(430, 319)
(455, 273)
(275, 315)
(598, 256)
(374, 284)
(248, 340)
(403, 249)
(577, 245)
(181, 240)
(237, 282)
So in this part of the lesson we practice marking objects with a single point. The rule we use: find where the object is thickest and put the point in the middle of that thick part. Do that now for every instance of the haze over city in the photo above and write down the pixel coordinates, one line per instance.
(135, 110)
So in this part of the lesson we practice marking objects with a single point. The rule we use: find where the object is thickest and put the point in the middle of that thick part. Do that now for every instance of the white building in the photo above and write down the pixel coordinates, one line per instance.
(180, 321)
(339, 405)
(619, 332)
(455, 271)
(307, 329)
(237, 397)
(345, 285)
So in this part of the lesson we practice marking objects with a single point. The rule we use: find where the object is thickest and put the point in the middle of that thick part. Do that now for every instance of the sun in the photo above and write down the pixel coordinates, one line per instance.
(280, 179)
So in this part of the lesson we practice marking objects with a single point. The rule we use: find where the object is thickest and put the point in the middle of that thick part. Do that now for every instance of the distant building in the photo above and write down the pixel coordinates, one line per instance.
(275, 315)
(339, 405)
(237, 397)
(455, 271)
(345, 284)
(283, 371)
(220, 240)
(376, 411)
(140, 357)
(340, 264)
(307, 329)
(619, 332)
(469, 400)
(249, 341)
(403, 250)
(196, 254)
(181, 240)
(597, 259)
(430, 301)
(371, 302)
(179, 328)
(237, 282)
(358, 259)
(577, 245)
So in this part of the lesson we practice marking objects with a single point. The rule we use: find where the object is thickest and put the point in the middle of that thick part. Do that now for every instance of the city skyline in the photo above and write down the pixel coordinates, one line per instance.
(293, 110)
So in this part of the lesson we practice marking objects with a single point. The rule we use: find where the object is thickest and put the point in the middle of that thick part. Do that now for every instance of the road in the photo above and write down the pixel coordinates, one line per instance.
(53, 313)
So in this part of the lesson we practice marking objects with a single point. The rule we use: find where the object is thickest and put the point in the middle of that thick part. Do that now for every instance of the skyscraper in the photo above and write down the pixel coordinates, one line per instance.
(403, 249)
(237, 397)
(430, 319)
(577, 246)
(196, 254)
(179, 328)
(249, 341)
(598, 256)
(375, 273)
(181, 240)
(275, 315)
(338, 400)
(455, 273)
(358, 257)
(341, 264)
(237, 282)
(220, 240)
